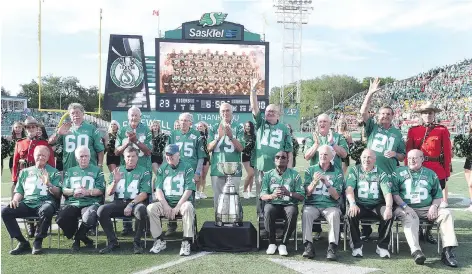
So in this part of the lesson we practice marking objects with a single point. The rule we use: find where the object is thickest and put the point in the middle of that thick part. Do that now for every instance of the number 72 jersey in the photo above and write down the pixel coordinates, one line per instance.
(270, 140)
(132, 182)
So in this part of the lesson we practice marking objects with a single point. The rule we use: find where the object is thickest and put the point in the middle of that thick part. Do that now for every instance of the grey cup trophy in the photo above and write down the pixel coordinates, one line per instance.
(228, 211)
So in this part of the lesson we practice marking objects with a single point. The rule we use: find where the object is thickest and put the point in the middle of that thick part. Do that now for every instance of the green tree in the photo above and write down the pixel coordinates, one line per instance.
(383, 81)
(5, 92)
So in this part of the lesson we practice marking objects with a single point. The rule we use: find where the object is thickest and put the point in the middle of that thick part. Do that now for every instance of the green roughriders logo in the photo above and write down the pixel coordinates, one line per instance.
(212, 19)
(127, 72)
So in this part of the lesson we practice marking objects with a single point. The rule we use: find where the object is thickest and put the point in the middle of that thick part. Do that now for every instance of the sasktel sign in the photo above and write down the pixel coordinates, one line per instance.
(212, 26)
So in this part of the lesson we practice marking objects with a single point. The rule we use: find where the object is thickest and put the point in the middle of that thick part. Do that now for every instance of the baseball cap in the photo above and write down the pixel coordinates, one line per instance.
(171, 149)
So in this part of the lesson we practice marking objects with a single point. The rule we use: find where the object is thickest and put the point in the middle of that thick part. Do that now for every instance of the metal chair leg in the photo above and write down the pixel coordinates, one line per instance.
(398, 240)
(439, 240)
(50, 236)
(345, 235)
(96, 236)
(296, 236)
(258, 233)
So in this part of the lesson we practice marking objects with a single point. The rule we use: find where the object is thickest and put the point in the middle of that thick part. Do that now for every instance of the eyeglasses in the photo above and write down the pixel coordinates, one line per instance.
(415, 158)
(170, 155)
(280, 157)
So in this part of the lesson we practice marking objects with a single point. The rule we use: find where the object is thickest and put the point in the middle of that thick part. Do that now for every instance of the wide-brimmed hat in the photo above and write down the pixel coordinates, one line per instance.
(427, 107)
(29, 121)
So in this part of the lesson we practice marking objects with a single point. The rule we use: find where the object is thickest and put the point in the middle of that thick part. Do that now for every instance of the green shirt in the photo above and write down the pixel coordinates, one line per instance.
(338, 139)
(144, 135)
(32, 188)
(88, 178)
(366, 185)
(320, 196)
(132, 182)
(381, 140)
(190, 144)
(270, 140)
(416, 188)
(85, 135)
(174, 182)
(225, 151)
(290, 179)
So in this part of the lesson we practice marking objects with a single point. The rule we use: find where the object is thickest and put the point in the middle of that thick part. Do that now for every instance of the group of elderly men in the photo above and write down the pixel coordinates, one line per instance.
(375, 188)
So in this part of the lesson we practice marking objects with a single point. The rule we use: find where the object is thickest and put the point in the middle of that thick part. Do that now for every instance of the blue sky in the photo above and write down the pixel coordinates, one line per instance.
(358, 38)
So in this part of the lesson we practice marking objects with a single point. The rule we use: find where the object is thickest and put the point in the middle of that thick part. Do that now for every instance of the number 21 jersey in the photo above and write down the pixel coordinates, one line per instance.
(175, 181)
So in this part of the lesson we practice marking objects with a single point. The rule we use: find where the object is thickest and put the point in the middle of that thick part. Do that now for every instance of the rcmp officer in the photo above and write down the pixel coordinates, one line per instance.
(434, 141)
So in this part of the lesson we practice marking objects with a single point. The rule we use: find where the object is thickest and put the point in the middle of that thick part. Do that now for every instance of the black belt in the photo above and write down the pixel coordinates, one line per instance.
(431, 159)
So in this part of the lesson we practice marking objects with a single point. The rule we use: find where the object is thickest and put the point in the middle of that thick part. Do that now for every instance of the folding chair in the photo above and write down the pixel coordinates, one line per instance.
(376, 221)
(125, 219)
(80, 221)
(424, 223)
(34, 220)
(279, 225)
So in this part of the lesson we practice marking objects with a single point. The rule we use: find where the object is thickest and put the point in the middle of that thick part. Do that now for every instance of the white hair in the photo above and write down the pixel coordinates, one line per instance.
(80, 149)
(330, 149)
(187, 115)
(324, 115)
(133, 109)
(227, 105)
(113, 122)
(75, 106)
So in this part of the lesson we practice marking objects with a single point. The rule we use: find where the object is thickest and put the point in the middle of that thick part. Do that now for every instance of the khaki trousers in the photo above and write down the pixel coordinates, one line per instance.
(410, 225)
(156, 210)
(331, 214)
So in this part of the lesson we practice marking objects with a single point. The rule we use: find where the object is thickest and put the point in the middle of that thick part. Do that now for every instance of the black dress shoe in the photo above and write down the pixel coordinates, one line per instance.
(37, 247)
(448, 258)
(76, 246)
(111, 247)
(309, 250)
(331, 254)
(88, 242)
(419, 257)
(429, 237)
(31, 230)
(21, 248)
(137, 249)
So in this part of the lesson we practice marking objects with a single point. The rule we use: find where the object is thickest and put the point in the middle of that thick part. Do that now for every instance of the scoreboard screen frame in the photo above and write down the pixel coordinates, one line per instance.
(206, 102)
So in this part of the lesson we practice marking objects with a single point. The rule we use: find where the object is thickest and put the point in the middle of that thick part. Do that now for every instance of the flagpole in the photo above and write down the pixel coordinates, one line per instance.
(100, 62)
(39, 55)
(159, 24)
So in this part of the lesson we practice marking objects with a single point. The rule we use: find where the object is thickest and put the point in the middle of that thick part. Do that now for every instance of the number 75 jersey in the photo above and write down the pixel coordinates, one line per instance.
(132, 182)
(270, 140)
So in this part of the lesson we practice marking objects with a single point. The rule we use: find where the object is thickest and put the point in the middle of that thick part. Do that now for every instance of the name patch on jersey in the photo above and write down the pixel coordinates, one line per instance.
(361, 177)
(90, 173)
(193, 137)
(177, 138)
(166, 172)
(273, 180)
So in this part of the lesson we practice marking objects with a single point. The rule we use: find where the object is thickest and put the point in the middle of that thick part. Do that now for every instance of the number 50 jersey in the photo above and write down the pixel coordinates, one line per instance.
(88, 178)
(270, 140)
(132, 182)
(174, 182)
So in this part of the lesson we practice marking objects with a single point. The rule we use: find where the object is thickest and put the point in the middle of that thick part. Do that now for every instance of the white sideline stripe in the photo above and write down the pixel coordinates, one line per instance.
(167, 265)
(308, 267)
(455, 174)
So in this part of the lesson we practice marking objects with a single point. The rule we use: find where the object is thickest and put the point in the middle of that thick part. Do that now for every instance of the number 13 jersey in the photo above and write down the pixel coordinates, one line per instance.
(175, 181)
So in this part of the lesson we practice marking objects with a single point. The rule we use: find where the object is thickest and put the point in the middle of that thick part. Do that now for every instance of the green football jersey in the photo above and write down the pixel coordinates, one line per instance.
(174, 182)
(338, 139)
(381, 140)
(32, 188)
(225, 151)
(85, 135)
(416, 188)
(190, 144)
(88, 178)
(270, 140)
(320, 196)
(132, 182)
(144, 135)
(366, 185)
(290, 179)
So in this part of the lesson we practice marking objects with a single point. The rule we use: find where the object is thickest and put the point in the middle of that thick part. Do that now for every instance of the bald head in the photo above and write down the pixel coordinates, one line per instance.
(368, 158)
(415, 159)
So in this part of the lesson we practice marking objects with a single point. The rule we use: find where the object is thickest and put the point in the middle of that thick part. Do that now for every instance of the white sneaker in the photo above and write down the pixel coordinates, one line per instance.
(283, 250)
(383, 253)
(469, 208)
(271, 249)
(197, 195)
(203, 195)
(185, 248)
(357, 252)
(158, 246)
(252, 195)
(443, 205)
(246, 195)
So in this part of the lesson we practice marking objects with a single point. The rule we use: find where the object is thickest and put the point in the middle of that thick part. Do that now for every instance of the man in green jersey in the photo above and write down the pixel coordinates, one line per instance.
(83, 187)
(281, 191)
(79, 133)
(37, 194)
(370, 196)
(191, 148)
(225, 140)
(174, 189)
(130, 185)
(323, 188)
(324, 135)
(417, 192)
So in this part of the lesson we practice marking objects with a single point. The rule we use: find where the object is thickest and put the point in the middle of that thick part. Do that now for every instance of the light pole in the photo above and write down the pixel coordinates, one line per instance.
(332, 96)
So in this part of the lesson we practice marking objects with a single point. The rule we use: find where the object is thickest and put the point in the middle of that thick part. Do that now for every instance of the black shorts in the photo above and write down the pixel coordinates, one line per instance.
(113, 160)
(442, 183)
(59, 165)
(206, 160)
(158, 159)
(10, 164)
(468, 164)
(245, 158)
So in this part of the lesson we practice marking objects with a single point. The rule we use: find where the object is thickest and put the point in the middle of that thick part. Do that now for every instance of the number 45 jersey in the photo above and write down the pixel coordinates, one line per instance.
(416, 188)
(270, 140)
(85, 135)
(88, 178)
(175, 181)
(369, 187)
(132, 182)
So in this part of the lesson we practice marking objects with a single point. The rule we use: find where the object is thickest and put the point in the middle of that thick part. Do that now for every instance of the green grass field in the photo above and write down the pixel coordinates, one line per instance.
(61, 260)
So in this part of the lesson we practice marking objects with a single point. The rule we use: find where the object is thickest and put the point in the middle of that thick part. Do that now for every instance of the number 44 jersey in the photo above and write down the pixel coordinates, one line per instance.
(369, 187)
(175, 181)
(132, 182)
(85, 135)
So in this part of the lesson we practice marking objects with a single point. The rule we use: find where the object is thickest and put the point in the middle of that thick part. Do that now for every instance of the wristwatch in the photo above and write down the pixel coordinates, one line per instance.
(290, 194)
(132, 204)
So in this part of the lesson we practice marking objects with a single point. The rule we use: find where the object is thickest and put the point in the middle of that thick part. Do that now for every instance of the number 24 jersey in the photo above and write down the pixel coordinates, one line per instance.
(175, 181)
(132, 182)
(366, 185)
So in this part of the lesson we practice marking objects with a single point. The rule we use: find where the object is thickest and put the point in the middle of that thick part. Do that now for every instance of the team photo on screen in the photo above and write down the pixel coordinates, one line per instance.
(221, 69)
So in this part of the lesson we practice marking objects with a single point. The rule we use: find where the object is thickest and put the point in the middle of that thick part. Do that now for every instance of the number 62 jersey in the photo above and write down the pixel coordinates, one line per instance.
(270, 140)
(132, 182)
(174, 182)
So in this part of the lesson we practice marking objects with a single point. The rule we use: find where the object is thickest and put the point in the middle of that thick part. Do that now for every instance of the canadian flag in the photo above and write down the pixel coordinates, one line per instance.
(155, 12)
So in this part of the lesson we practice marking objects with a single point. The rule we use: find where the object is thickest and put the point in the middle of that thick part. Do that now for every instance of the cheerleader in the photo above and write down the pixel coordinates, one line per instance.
(159, 140)
(17, 133)
(112, 160)
(203, 128)
(341, 128)
(248, 158)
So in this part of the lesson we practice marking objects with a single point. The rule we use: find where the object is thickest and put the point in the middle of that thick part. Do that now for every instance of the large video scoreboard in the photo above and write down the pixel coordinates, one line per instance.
(201, 75)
